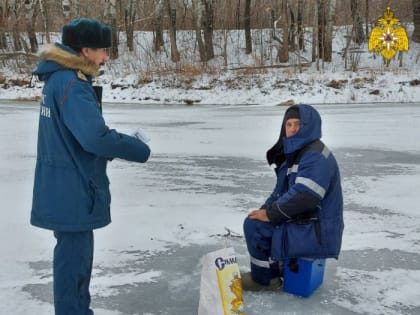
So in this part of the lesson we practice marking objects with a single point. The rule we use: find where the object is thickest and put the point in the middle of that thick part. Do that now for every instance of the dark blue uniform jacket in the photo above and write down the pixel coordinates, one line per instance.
(71, 188)
(306, 205)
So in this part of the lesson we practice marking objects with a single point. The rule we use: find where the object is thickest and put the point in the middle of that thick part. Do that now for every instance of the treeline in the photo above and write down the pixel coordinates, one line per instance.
(21, 20)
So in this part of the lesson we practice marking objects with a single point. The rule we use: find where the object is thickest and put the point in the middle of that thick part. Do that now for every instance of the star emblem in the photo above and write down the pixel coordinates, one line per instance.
(388, 39)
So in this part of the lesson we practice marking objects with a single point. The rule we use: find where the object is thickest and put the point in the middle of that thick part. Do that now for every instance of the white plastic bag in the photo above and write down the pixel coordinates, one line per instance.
(221, 285)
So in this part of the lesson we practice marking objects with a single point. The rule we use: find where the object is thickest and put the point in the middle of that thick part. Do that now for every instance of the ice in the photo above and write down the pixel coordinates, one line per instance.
(207, 170)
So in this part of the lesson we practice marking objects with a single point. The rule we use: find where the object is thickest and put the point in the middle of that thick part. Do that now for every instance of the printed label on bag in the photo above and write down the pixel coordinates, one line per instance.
(230, 285)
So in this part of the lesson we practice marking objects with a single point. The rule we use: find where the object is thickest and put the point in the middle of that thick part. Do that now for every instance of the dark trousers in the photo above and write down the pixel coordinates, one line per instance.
(72, 270)
(258, 236)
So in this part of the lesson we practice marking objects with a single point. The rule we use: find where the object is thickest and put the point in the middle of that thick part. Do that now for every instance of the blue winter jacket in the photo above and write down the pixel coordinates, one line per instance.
(307, 204)
(71, 188)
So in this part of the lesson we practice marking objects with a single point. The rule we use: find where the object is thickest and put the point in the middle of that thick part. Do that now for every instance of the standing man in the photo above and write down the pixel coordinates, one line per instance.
(303, 217)
(71, 191)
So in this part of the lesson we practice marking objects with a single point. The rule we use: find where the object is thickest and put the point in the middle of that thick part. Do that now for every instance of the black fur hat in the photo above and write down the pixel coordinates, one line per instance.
(86, 33)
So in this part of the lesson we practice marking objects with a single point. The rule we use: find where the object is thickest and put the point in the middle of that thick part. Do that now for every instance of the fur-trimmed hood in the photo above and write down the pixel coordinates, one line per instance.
(58, 57)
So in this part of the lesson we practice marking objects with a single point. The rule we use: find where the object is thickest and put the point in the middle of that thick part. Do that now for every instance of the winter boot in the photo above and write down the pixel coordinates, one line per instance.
(250, 285)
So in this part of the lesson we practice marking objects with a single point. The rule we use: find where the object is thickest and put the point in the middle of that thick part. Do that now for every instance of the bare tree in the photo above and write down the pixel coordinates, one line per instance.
(238, 15)
(296, 35)
(197, 15)
(247, 26)
(111, 16)
(292, 26)
(14, 8)
(203, 17)
(284, 22)
(3, 23)
(76, 7)
(69, 7)
(322, 25)
(186, 4)
(315, 33)
(300, 33)
(207, 21)
(416, 18)
(329, 28)
(171, 9)
(325, 20)
(157, 25)
(357, 33)
(66, 9)
(45, 19)
(366, 18)
(30, 15)
(129, 18)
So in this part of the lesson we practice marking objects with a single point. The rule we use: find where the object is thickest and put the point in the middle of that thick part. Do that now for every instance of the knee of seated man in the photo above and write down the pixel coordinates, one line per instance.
(250, 226)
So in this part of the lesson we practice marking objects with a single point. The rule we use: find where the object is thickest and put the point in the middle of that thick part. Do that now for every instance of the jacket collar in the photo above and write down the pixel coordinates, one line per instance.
(69, 59)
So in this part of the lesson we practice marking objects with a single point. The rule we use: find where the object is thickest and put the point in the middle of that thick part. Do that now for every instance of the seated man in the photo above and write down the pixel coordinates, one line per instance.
(303, 217)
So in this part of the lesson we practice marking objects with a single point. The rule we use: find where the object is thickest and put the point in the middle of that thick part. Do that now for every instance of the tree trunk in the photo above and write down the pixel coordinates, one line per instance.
(207, 21)
(30, 9)
(321, 27)
(3, 23)
(367, 18)
(45, 19)
(114, 40)
(326, 12)
(225, 45)
(238, 15)
(292, 30)
(247, 26)
(157, 25)
(357, 33)
(329, 27)
(66, 9)
(284, 22)
(76, 5)
(315, 33)
(416, 19)
(171, 9)
(111, 17)
(14, 9)
(300, 34)
(197, 17)
(129, 18)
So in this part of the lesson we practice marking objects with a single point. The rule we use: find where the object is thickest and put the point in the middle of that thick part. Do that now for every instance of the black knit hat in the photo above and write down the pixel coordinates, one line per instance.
(276, 153)
(292, 112)
(86, 33)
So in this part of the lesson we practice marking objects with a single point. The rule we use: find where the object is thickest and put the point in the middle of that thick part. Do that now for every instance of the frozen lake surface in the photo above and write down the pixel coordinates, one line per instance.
(207, 170)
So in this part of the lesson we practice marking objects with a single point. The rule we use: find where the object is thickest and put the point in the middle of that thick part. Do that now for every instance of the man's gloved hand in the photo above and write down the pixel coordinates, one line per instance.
(141, 135)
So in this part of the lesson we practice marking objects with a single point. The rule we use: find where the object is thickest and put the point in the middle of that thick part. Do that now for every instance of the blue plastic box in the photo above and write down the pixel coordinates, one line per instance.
(303, 277)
